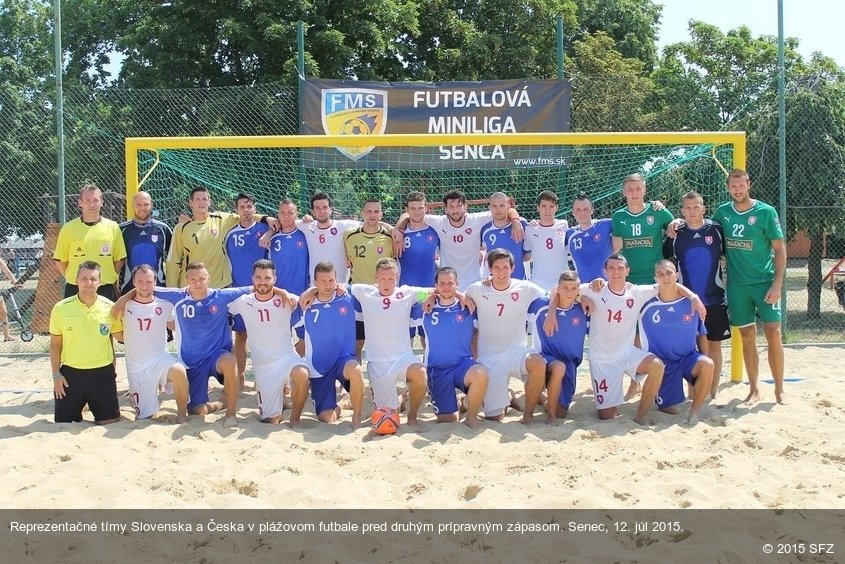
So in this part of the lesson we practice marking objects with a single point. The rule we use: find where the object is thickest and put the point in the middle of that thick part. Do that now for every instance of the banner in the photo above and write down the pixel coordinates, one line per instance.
(335, 107)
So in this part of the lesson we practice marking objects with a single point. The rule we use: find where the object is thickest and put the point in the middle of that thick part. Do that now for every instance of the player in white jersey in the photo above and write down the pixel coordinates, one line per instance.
(268, 322)
(613, 325)
(149, 367)
(502, 310)
(387, 312)
(546, 240)
(460, 236)
(324, 236)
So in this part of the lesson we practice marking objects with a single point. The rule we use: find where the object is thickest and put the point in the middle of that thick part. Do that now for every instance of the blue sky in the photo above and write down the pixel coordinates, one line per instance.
(816, 23)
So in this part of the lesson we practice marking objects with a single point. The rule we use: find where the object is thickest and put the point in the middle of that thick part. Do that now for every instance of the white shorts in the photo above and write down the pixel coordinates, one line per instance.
(145, 384)
(270, 381)
(384, 376)
(607, 376)
(500, 369)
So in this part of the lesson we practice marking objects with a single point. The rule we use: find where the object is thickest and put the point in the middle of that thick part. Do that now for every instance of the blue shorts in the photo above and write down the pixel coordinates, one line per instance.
(198, 375)
(238, 323)
(323, 391)
(442, 383)
(567, 387)
(672, 388)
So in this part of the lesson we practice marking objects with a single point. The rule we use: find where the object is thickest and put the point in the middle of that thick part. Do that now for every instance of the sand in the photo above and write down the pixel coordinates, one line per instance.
(763, 456)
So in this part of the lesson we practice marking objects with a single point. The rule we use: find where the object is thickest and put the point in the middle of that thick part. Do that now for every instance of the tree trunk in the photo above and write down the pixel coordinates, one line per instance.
(814, 274)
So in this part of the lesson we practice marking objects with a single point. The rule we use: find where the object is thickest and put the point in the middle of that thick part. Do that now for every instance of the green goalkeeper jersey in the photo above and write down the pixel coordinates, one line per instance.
(642, 240)
(748, 242)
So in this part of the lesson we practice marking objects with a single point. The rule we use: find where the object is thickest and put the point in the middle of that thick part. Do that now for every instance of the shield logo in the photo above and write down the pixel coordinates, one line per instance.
(687, 318)
(597, 237)
(650, 220)
(354, 111)
(576, 321)
(708, 239)
(105, 249)
(277, 302)
(752, 220)
(333, 230)
(514, 296)
(154, 238)
(399, 296)
(213, 309)
(214, 232)
(459, 318)
(299, 244)
(379, 250)
(629, 303)
(468, 230)
(430, 238)
(158, 311)
(342, 310)
(104, 329)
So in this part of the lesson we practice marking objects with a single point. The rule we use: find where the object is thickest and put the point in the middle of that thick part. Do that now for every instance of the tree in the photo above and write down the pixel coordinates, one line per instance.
(27, 161)
(631, 24)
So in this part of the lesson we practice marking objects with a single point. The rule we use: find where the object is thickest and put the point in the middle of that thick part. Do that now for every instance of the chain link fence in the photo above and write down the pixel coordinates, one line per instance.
(97, 121)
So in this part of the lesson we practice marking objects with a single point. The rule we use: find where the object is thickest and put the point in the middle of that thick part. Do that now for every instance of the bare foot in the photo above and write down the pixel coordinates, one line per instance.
(294, 423)
(415, 425)
(473, 423)
(462, 403)
(551, 419)
(403, 399)
(780, 398)
(671, 410)
(344, 401)
(527, 419)
(213, 406)
(514, 404)
(642, 421)
(182, 418)
(230, 422)
(693, 417)
(633, 390)
(356, 422)
(752, 398)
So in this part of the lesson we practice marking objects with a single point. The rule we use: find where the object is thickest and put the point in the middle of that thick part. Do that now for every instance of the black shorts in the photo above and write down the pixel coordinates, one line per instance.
(95, 386)
(359, 331)
(718, 324)
(105, 290)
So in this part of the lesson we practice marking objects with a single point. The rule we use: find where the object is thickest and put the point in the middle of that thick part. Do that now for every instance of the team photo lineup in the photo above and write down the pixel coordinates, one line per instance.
(330, 309)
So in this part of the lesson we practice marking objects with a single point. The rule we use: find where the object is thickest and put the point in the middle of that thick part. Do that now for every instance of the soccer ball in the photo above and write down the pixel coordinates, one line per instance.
(384, 421)
(355, 126)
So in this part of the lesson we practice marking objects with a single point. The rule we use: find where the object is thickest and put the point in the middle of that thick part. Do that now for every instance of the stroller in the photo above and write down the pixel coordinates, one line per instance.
(15, 313)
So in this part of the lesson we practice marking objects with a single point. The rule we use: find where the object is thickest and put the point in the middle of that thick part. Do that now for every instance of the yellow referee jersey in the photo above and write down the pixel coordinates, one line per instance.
(101, 242)
(86, 332)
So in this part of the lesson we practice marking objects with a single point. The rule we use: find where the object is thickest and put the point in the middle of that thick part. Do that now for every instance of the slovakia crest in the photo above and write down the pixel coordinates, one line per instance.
(430, 238)
(752, 220)
(708, 239)
(459, 318)
(354, 111)
(157, 311)
(629, 303)
(468, 230)
(687, 317)
(650, 220)
(277, 302)
(576, 321)
(399, 296)
(214, 232)
(342, 310)
(514, 296)
(380, 250)
(333, 230)
(299, 244)
(213, 308)
(597, 237)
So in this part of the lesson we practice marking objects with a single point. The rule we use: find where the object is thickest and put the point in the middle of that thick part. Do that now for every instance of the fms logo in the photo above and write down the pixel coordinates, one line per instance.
(354, 111)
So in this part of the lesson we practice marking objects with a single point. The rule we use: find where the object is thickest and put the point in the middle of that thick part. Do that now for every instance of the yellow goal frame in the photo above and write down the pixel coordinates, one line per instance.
(154, 144)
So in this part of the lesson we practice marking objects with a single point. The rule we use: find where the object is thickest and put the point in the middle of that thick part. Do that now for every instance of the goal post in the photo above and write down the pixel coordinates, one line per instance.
(351, 168)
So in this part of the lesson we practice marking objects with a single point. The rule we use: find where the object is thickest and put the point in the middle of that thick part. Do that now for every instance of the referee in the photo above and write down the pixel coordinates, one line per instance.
(82, 352)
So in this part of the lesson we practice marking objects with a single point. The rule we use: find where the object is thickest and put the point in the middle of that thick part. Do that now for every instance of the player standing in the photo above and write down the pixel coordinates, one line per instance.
(672, 330)
(267, 319)
(498, 234)
(545, 240)
(146, 239)
(288, 250)
(418, 261)
(325, 236)
(502, 309)
(698, 247)
(756, 256)
(590, 241)
(638, 230)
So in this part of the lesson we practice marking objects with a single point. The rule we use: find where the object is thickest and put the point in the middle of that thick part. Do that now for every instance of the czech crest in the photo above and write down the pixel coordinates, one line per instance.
(353, 111)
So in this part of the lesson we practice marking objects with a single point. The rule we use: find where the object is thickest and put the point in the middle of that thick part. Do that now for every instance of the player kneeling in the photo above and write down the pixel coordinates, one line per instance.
(564, 348)
(150, 368)
(449, 328)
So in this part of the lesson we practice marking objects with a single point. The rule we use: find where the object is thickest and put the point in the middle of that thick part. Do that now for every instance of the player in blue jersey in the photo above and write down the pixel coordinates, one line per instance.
(564, 349)
(419, 255)
(147, 241)
(698, 247)
(498, 234)
(590, 241)
(329, 324)
(288, 250)
(449, 328)
(242, 248)
(672, 331)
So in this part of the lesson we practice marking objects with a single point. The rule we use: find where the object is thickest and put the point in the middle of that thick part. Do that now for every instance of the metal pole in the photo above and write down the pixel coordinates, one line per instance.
(561, 177)
(300, 82)
(782, 150)
(60, 125)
